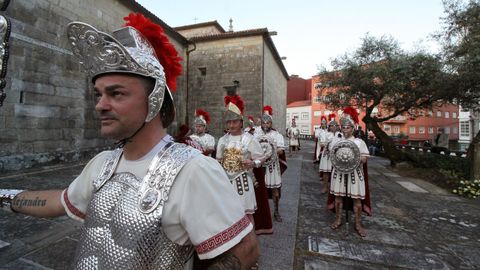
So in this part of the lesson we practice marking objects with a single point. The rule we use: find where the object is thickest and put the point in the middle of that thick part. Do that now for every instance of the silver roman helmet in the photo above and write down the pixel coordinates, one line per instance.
(267, 115)
(127, 50)
(234, 106)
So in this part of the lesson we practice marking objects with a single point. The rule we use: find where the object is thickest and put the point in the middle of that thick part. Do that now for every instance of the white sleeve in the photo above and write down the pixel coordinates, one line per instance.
(209, 210)
(256, 151)
(220, 147)
(211, 142)
(280, 141)
(363, 147)
(77, 196)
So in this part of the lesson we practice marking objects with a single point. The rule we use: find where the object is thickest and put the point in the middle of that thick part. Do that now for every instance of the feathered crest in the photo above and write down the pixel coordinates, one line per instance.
(331, 116)
(236, 99)
(268, 109)
(166, 53)
(204, 114)
(352, 112)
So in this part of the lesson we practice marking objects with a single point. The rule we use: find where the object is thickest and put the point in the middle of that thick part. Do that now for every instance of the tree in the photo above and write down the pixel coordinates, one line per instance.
(461, 46)
(381, 75)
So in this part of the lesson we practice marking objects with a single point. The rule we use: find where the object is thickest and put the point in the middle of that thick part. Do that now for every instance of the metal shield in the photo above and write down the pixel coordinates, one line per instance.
(345, 156)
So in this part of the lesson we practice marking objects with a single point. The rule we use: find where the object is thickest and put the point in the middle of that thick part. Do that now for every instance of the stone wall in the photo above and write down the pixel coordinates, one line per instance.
(215, 64)
(275, 90)
(48, 115)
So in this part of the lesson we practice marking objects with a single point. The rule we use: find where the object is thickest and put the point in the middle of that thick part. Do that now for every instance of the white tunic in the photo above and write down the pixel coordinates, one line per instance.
(355, 180)
(318, 134)
(326, 140)
(273, 176)
(293, 134)
(206, 140)
(200, 209)
(245, 147)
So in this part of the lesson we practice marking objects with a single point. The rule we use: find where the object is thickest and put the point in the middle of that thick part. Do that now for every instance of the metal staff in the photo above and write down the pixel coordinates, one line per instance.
(346, 203)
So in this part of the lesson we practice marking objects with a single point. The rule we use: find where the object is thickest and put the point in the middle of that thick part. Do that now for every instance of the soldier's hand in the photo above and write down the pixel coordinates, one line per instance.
(247, 164)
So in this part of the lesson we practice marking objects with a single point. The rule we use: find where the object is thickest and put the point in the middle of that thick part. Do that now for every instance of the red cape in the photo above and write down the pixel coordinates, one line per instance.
(315, 150)
(262, 216)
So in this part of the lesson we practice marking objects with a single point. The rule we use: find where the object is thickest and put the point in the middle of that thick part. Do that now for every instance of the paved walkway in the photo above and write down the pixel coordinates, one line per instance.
(415, 225)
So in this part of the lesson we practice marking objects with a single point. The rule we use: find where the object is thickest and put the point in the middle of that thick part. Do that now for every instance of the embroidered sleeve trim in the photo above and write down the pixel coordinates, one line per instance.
(223, 237)
(71, 207)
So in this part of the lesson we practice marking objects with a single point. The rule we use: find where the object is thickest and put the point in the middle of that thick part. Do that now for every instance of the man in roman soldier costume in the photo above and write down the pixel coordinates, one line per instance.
(183, 136)
(293, 135)
(274, 144)
(207, 141)
(326, 139)
(250, 125)
(349, 173)
(143, 205)
(239, 153)
(318, 134)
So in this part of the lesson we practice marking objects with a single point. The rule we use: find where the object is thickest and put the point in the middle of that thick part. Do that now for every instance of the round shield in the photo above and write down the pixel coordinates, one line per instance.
(345, 156)
(268, 149)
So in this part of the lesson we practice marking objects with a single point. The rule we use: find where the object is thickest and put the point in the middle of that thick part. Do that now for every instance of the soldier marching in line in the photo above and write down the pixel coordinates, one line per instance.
(207, 141)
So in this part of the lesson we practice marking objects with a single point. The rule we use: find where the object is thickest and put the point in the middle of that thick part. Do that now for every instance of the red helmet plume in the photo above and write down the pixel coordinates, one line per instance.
(331, 116)
(204, 114)
(165, 51)
(268, 109)
(352, 112)
(323, 119)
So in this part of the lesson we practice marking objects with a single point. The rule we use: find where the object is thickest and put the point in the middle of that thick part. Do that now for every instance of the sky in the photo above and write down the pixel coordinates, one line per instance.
(311, 33)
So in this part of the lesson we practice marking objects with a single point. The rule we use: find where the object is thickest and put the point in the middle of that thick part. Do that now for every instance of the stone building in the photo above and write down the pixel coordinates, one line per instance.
(217, 58)
(48, 115)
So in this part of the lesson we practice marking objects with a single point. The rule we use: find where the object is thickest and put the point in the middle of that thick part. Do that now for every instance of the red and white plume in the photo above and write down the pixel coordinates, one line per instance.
(237, 100)
(267, 110)
(203, 114)
(165, 51)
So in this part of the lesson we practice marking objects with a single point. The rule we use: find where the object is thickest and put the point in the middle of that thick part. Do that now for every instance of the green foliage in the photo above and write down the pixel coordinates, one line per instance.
(468, 188)
(461, 48)
(380, 74)
(454, 167)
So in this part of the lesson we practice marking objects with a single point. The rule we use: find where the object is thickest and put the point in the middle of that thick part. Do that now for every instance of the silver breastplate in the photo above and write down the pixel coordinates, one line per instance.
(123, 224)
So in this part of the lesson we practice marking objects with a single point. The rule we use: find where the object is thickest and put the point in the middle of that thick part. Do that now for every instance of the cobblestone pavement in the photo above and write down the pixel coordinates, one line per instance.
(415, 225)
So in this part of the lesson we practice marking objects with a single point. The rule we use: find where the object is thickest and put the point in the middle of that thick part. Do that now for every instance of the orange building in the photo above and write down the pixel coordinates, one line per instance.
(424, 127)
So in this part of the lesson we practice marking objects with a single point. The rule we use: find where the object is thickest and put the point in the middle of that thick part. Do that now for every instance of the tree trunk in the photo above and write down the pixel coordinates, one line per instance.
(391, 151)
(473, 154)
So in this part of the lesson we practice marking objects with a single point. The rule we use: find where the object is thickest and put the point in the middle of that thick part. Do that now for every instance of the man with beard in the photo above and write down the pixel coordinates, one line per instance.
(207, 141)
(143, 205)
(273, 171)
(354, 184)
